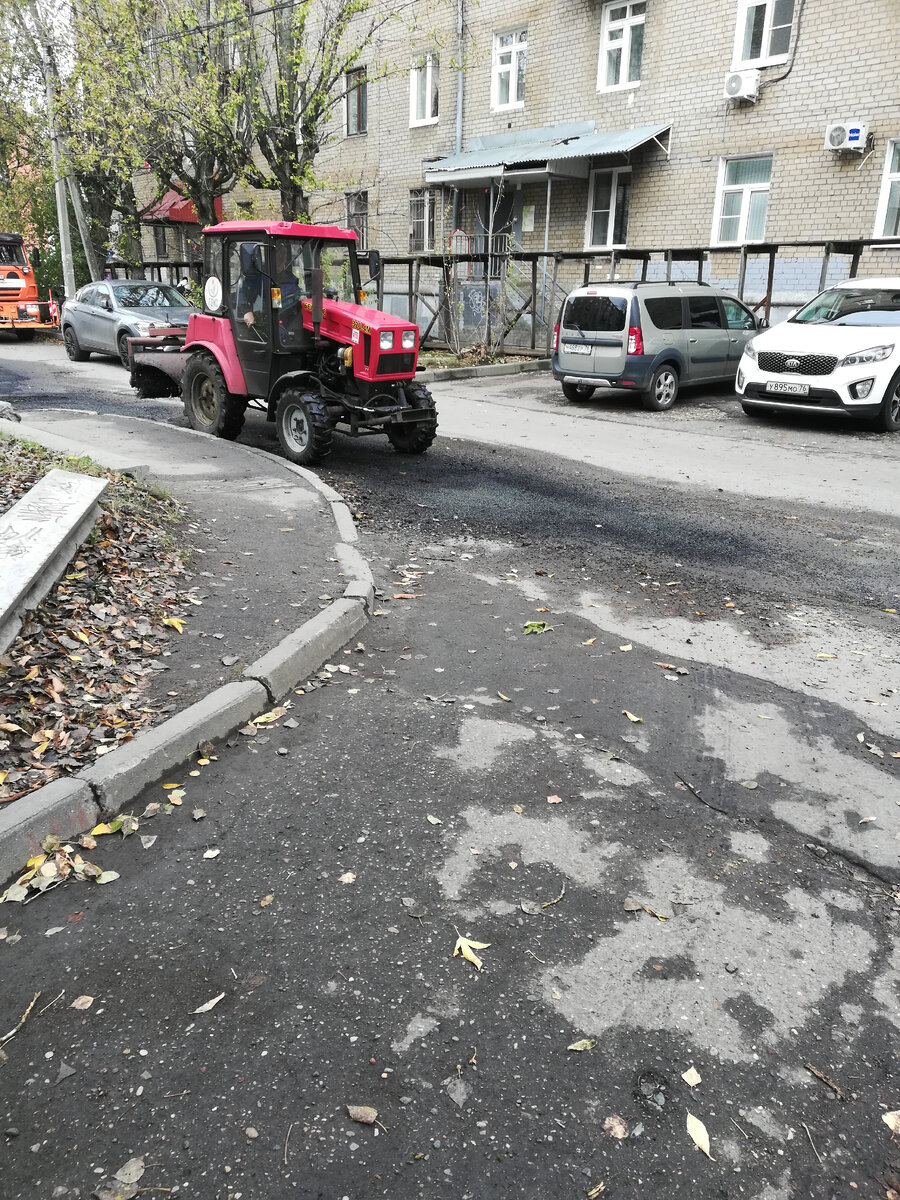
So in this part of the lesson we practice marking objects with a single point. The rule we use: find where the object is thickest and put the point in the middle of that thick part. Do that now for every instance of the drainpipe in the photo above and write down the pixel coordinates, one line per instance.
(460, 77)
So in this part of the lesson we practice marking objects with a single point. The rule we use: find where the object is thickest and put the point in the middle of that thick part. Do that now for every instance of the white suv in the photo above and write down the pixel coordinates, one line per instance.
(838, 354)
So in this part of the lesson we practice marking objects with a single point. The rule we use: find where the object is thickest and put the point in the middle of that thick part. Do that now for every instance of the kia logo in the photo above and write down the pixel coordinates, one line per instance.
(792, 363)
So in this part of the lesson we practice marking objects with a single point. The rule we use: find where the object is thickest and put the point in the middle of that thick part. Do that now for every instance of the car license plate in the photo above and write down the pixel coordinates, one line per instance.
(575, 348)
(790, 389)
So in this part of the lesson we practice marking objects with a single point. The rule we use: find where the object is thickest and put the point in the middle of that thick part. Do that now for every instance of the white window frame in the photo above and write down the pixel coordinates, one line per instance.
(627, 25)
(765, 60)
(518, 48)
(429, 63)
(746, 188)
(615, 172)
(430, 198)
(887, 178)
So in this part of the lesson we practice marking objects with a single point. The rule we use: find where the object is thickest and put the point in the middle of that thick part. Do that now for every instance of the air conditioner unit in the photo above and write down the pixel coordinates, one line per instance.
(846, 135)
(741, 85)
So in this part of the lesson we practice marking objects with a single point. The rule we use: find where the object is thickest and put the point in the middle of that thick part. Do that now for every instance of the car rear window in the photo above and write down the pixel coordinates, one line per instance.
(665, 312)
(596, 314)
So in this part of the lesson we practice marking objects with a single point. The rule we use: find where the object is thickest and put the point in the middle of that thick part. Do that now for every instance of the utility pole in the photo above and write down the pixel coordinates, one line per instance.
(59, 181)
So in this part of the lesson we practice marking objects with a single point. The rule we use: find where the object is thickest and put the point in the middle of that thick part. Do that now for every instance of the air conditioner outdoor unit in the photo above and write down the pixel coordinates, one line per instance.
(846, 135)
(741, 85)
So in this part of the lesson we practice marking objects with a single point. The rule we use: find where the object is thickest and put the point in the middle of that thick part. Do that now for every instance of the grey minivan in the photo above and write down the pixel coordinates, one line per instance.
(103, 316)
(649, 338)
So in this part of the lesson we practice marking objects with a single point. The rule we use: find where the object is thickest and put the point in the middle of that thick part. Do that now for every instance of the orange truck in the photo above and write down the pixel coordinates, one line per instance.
(20, 309)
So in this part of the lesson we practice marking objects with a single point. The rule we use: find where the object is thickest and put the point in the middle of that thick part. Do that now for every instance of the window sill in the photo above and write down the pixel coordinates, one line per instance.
(760, 63)
(423, 124)
(737, 245)
(505, 108)
(604, 249)
(619, 87)
(361, 133)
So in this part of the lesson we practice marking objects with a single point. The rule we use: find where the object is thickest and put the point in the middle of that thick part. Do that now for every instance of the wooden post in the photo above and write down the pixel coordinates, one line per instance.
(826, 256)
(552, 302)
(644, 265)
(533, 302)
(742, 273)
(587, 272)
(770, 282)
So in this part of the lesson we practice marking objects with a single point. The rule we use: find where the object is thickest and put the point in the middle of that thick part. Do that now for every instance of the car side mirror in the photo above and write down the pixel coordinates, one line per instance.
(762, 323)
(106, 303)
(374, 264)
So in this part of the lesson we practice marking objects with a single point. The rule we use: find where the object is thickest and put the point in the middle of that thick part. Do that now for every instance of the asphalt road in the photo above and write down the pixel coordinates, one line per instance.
(703, 885)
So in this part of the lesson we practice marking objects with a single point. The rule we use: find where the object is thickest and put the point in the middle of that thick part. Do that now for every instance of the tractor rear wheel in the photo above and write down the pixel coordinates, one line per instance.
(416, 437)
(303, 427)
(208, 404)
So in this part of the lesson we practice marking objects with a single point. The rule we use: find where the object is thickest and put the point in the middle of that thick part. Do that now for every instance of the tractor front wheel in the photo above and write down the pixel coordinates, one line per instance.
(208, 404)
(303, 427)
(416, 437)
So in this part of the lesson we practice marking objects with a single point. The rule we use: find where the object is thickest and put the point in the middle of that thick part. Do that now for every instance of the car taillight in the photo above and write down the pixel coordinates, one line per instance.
(555, 341)
(635, 341)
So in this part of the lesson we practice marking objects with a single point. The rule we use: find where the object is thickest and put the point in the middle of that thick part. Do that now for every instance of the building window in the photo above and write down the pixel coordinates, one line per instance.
(423, 90)
(610, 199)
(743, 200)
(508, 73)
(357, 115)
(621, 45)
(422, 206)
(159, 243)
(763, 34)
(358, 217)
(887, 220)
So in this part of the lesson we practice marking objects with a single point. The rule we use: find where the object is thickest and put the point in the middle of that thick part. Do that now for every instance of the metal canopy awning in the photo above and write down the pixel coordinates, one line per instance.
(538, 153)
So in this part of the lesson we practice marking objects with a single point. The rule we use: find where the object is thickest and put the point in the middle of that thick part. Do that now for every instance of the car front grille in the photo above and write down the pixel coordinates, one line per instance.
(806, 364)
(396, 364)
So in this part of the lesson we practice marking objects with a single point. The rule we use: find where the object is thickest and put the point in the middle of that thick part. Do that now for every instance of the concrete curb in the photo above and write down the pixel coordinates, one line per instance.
(65, 807)
(443, 374)
(72, 804)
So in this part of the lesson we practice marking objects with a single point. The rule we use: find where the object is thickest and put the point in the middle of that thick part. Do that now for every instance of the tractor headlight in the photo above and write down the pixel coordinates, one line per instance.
(386, 340)
(408, 339)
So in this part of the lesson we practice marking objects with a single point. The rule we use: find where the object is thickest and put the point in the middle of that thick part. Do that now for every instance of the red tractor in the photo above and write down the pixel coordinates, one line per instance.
(285, 328)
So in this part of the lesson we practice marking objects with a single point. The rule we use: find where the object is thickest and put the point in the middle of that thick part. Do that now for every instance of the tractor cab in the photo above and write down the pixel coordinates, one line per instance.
(285, 314)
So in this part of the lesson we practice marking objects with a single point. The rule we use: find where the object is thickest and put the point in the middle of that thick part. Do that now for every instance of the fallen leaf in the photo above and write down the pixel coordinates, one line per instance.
(266, 901)
(362, 1113)
(101, 829)
(595, 1191)
(892, 1120)
(691, 1077)
(633, 906)
(632, 717)
(750, 784)
(405, 596)
(648, 909)
(169, 786)
(589, 642)
(554, 799)
(513, 865)
(208, 1005)
(583, 1044)
(107, 876)
(628, 647)
(517, 808)
(866, 820)
(174, 623)
(131, 1171)
(506, 698)
(54, 929)
(212, 852)
(86, 842)
(537, 627)
(697, 1130)
(267, 718)
(467, 949)
(150, 811)
(147, 840)
(82, 1003)
(176, 798)
(826, 656)
(198, 814)
(531, 907)
(347, 877)
(615, 1126)
(432, 820)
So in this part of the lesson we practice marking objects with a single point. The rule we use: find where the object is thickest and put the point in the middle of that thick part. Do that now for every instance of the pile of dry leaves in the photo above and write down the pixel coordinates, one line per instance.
(71, 684)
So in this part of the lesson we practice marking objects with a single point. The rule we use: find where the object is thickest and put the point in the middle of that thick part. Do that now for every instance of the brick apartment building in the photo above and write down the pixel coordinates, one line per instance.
(588, 125)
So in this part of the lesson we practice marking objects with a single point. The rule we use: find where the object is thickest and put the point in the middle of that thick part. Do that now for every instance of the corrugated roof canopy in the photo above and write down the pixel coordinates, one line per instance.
(536, 150)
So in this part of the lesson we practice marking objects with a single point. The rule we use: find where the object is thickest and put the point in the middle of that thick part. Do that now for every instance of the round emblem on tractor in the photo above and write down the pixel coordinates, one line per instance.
(212, 294)
(792, 363)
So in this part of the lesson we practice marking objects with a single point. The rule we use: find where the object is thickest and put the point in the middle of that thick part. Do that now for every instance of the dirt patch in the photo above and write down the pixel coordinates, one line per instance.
(72, 684)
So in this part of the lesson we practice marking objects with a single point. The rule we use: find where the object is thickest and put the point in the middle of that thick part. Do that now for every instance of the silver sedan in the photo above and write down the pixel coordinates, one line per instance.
(104, 315)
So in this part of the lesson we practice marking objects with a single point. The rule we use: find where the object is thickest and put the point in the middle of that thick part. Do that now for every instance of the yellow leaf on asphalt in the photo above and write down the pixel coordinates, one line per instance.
(589, 642)
(208, 1005)
(467, 949)
(98, 829)
(506, 698)
(174, 623)
(826, 656)
(628, 647)
(584, 1044)
(517, 808)
(36, 861)
(268, 717)
(691, 1077)
(892, 1120)
(632, 717)
(697, 1130)
(168, 786)
(266, 901)
(107, 876)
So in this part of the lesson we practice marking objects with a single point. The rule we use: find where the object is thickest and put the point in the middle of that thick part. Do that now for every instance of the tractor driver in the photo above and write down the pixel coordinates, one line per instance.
(250, 307)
